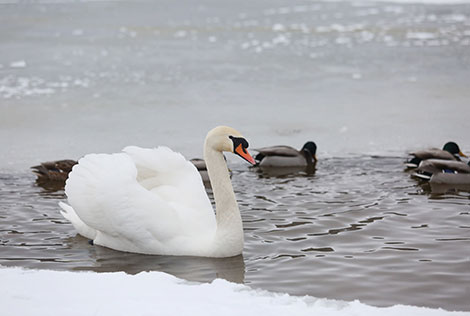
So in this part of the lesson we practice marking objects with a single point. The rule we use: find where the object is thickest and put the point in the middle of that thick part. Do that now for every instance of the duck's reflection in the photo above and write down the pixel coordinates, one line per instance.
(51, 187)
(198, 269)
(436, 190)
(271, 172)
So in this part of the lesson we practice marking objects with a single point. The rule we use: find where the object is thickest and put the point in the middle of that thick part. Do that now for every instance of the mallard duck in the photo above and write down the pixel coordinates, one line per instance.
(157, 203)
(54, 171)
(440, 171)
(286, 156)
(450, 151)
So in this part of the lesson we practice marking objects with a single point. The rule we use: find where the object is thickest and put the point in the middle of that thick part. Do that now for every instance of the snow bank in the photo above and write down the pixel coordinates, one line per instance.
(42, 292)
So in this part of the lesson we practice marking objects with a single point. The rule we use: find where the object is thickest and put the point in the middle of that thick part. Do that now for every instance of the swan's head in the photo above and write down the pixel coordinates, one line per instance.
(224, 138)
(454, 149)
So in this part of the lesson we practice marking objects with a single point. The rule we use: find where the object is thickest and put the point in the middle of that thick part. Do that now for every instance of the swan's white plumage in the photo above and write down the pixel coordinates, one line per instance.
(141, 200)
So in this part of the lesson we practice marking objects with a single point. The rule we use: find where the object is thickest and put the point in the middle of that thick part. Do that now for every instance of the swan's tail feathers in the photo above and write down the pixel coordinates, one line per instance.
(83, 229)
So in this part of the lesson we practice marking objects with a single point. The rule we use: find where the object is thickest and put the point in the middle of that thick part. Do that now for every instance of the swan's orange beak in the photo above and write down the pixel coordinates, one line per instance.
(244, 154)
(461, 154)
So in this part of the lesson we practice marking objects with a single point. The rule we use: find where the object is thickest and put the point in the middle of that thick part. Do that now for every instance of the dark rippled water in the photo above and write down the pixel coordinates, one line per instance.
(358, 228)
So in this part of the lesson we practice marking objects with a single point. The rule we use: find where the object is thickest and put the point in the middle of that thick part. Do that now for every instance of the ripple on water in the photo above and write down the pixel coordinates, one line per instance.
(343, 232)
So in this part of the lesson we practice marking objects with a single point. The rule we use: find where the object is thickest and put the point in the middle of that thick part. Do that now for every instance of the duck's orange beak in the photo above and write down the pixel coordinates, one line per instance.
(244, 154)
(461, 154)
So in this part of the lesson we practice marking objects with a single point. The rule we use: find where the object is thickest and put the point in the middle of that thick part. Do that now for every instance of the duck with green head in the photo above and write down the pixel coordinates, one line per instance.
(281, 156)
(450, 151)
(440, 171)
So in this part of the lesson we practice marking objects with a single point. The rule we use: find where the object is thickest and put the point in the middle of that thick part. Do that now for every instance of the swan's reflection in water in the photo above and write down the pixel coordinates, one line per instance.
(197, 269)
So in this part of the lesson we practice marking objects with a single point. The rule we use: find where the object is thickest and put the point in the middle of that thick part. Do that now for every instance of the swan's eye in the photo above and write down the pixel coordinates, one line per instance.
(239, 148)
(239, 141)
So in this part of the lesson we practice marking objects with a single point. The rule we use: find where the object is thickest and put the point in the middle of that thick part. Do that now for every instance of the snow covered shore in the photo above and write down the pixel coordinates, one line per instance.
(44, 292)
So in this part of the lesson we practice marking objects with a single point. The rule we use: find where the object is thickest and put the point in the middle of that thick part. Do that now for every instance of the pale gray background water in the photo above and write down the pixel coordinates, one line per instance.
(358, 78)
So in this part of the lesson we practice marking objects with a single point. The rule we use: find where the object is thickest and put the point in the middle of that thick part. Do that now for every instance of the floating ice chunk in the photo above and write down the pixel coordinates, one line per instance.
(356, 76)
(337, 27)
(77, 32)
(181, 34)
(367, 36)
(245, 45)
(342, 40)
(455, 18)
(343, 129)
(279, 28)
(280, 39)
(420, 35)
(18, 64)
(393, 9)
(388, 39)
(81, 83)
(212, 39)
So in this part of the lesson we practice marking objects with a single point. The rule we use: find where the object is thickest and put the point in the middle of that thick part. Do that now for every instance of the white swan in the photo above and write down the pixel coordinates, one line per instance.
(153, 201)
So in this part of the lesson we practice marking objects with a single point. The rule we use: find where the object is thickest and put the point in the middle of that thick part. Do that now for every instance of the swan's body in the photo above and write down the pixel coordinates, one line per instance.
(57, 171)
(444, 171)
(153, 201)
(285, 156)
(450, 151)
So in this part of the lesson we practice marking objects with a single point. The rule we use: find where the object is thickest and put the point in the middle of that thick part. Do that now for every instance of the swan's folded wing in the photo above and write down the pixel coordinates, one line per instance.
(281, 150)
(177, 180)
(105, 194)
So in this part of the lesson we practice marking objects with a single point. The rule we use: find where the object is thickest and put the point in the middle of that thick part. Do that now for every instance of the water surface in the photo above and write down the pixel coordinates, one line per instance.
(358, 228)
(360, 79)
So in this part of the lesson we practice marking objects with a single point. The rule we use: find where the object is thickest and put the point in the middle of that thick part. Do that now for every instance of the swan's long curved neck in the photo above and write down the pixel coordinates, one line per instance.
(229, 233)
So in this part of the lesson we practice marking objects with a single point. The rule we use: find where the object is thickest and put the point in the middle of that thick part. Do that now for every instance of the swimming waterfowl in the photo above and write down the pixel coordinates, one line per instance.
(56, 171)
(450, 151)
(440, 171)
(152, 201)
(286, 156)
